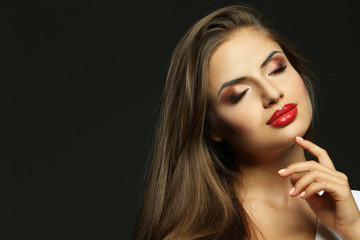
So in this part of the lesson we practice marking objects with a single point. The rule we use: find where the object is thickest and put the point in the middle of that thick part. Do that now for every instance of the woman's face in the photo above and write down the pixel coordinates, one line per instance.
(250, 79)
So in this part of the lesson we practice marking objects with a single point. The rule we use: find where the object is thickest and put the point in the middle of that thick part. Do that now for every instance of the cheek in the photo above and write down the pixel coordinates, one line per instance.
(301, 93)
(296, 86)
(240, 126)
(246, 133)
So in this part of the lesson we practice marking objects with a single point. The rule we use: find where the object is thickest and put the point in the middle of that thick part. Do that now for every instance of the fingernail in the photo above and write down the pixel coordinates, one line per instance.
(320, 193)
(299, 138)
(302, 194)
(282, 171)
(291, 191)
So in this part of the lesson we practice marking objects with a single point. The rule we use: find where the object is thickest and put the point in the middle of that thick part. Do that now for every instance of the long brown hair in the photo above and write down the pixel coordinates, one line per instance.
(190, 186)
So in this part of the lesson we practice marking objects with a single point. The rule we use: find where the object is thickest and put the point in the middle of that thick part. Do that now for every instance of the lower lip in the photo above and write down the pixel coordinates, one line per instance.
(285, 119)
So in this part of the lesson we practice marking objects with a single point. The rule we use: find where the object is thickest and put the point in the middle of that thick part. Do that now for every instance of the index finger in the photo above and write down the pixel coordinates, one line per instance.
(316, 151)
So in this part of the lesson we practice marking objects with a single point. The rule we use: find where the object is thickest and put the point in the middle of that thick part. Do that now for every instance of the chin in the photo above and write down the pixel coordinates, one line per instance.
(267, 146)
(287, 138)
(271, 141)
(283, 139)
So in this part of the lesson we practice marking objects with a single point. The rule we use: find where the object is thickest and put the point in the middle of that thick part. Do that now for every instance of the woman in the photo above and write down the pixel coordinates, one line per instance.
(228, 159)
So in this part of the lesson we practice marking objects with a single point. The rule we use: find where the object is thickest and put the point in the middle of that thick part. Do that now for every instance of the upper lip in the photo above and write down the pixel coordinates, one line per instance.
(278, 113)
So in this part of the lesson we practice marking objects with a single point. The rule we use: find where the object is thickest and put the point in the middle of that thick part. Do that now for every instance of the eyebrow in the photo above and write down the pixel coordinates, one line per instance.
(236, 80)
(269, 57)
(231, 82)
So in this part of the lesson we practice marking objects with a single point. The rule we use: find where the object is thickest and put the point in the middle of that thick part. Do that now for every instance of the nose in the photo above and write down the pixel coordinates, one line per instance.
(271, 94)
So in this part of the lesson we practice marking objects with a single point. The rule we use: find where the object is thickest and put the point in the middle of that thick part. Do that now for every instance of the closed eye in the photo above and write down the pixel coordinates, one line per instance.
(236, 98)
(278, 70)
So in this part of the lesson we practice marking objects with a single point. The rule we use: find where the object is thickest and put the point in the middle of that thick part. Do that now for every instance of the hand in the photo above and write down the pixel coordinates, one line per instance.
(336, 208)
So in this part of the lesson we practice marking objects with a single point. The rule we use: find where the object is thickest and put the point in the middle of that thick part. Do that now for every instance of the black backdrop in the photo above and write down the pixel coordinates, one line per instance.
(80, 83)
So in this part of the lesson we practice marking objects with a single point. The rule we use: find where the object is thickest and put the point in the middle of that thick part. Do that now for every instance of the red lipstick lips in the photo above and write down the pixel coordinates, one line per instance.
(284, 116)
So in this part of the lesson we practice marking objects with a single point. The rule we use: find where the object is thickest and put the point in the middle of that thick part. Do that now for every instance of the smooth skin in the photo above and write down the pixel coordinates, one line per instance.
(240, 111)
(336, 208)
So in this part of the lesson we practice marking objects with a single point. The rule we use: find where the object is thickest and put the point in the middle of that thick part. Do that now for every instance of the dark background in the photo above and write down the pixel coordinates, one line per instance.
(80, 83)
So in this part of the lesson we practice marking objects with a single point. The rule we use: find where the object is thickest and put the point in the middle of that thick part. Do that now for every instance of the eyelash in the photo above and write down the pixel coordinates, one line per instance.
(236, 98)
(278, 70)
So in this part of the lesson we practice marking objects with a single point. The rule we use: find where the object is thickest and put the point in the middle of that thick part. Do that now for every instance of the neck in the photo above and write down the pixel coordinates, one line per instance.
(261, 180)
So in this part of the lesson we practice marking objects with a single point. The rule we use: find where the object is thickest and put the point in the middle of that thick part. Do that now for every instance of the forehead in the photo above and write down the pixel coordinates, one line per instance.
(243, 46)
